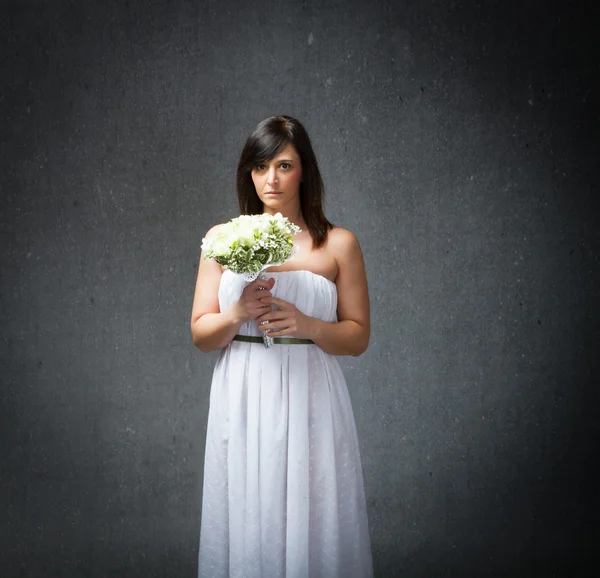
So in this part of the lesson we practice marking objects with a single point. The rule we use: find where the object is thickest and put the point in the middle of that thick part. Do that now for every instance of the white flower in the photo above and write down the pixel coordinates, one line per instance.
(250, 243)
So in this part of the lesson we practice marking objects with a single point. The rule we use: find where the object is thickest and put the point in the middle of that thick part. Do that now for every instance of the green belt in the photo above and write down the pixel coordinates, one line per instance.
(280, 340)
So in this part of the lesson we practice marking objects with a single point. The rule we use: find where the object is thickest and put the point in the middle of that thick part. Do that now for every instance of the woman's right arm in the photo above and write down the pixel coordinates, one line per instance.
(212, 328)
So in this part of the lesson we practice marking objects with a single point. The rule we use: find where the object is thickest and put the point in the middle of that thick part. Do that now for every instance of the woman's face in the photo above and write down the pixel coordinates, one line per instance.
(277, 182)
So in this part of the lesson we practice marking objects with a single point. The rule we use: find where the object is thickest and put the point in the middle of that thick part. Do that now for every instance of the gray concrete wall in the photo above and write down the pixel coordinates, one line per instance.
(458, 141)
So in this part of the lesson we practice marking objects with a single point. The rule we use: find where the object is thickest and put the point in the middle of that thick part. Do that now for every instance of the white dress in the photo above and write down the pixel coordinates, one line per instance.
(283, 492)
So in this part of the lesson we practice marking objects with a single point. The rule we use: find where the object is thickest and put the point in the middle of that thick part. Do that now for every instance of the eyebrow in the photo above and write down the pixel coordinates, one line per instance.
(291, 161)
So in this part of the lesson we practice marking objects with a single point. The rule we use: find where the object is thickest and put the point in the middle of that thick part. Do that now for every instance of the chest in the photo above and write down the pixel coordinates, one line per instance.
(319, 261)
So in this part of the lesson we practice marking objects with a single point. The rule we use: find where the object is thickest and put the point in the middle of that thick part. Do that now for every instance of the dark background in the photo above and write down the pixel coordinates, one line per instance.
(458, 140)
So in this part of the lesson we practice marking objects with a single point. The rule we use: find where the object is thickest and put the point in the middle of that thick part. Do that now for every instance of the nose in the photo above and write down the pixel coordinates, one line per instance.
(272, 177)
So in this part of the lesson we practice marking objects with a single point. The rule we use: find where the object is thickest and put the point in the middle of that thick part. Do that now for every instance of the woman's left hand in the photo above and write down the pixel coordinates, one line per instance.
(288, 321)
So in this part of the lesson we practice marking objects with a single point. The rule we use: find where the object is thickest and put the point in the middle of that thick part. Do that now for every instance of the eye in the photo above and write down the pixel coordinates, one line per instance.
(260, 167)
(285, 166)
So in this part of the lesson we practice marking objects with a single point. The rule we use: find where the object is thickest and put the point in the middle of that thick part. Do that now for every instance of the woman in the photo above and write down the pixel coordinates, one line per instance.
(283, 490)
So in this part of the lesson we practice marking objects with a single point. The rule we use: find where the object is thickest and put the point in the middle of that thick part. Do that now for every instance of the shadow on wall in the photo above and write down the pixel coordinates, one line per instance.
(474, 565)
(137, 562)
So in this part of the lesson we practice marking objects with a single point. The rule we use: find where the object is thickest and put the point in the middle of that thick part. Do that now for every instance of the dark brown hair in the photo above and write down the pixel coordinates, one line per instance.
(270, 137)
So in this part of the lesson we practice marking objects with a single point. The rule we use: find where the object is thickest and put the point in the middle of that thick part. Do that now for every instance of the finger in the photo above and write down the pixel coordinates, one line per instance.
(252, 290)
(273, 316)
(256, 284)
(259, 282)
(276, 301)
(273, 328)
(257, 293)
(279, 332)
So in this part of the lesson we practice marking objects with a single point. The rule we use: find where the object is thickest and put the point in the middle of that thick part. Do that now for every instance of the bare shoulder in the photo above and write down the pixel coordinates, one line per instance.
(210, 233)
(207, 265)
(343, 244)
(213, 230)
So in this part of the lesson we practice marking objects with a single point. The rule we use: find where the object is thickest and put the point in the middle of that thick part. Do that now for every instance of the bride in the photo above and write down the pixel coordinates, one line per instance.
(283, 491)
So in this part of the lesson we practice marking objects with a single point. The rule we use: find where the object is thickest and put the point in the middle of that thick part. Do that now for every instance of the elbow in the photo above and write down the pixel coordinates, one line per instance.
(198, 344)
(200, 347)
(197, 340)
(361, 345)
(203, 344)
(359, 351)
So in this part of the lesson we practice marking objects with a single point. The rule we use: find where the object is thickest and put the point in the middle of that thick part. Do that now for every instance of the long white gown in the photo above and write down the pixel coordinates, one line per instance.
(283, 493)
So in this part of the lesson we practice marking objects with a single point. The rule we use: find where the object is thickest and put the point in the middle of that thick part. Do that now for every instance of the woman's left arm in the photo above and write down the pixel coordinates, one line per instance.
(350, 334)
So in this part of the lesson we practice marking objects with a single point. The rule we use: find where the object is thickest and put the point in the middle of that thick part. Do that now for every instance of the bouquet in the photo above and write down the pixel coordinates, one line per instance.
(248, 244)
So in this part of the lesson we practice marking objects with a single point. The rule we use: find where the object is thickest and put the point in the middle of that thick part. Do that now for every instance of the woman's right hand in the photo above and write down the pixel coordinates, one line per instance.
(249, 305)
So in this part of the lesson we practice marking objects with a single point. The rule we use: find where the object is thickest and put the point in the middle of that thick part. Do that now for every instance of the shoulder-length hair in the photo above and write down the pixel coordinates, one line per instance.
(270, 137)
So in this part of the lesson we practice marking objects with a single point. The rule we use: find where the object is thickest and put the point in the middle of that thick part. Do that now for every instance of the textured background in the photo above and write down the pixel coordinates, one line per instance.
(458, 140)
